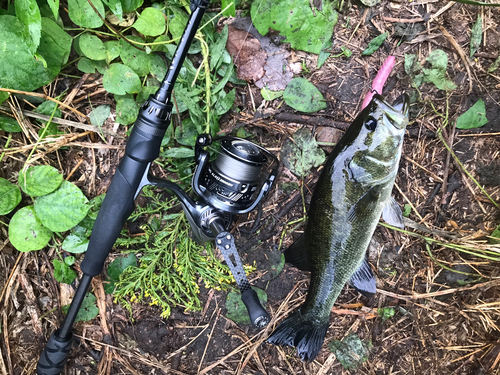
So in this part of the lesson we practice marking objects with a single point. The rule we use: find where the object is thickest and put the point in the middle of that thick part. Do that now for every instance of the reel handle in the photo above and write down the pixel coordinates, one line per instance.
(54, 355)
(258, 315)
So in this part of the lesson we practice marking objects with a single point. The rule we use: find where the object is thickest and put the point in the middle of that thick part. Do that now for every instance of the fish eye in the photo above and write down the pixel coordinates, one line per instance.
(371, 123)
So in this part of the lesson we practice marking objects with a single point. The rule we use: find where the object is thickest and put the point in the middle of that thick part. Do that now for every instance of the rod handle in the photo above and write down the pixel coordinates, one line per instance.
(55, 355)
(258, 315)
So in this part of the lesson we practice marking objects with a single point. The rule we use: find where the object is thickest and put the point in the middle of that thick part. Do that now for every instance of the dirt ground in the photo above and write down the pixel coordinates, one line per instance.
(445, 322)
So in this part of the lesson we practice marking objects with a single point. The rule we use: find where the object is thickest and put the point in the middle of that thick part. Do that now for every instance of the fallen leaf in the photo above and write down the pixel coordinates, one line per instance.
(247, 54)
(278, 71)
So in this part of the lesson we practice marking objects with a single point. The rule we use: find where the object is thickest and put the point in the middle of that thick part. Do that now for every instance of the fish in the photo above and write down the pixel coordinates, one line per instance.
(352, 193)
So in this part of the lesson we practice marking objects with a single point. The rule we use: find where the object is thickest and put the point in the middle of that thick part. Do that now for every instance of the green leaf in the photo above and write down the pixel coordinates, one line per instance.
(54, 6)
(480, 3)
(496, 235)
(346, 51)
(374, 44)
(19, 69)
(476, 36)
(225, 102)
(92, 47)
(157, 67)
(177, 24)
(151, 22)
(385, 313)
(300, 94)
(28, 13)
(86, 65)
(411, 64)
(99, 115)
(63, 209)
(9, 124)
(84, 228)
(75, 244)
(231, 8)
(438, 59)
(81, 13)
(188, 135)
(126, 110)
(88, 310)
(227, 76)
(3, 96)
(324, 54)
(218, 48)
(351, 351)
(101, 66)
(437, 73)
(236, 310)
(115, 6)
(295, 20)
(113, 48)
(47, 108)
(144, 93)
(474, 117)
(491, 69)
(55, 46)
(270, 95)
(303, 153)
(134, 58)
(277, 268)
(49, 129)
(120, 79)
(180, 152)
(70, 260)
(26, 231)
(39, 180)
(10, 196)
(116, 268)
(131, 5)
(63, 272)
(407, 210)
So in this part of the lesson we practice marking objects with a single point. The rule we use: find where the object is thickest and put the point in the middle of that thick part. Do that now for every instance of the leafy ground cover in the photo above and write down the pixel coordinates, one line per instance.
(64, 129)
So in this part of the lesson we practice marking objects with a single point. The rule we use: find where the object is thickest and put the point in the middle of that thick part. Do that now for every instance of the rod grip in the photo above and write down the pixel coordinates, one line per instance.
(258, 315)
(55, 355)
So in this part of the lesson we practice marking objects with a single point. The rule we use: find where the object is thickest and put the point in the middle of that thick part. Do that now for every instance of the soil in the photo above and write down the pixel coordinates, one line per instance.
(444, 323)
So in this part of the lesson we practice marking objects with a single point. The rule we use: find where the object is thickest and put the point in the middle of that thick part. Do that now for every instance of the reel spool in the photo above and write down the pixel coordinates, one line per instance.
(237, 180)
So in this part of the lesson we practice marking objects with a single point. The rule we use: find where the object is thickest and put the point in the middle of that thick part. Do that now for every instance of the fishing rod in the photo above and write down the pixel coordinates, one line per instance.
(234, 183)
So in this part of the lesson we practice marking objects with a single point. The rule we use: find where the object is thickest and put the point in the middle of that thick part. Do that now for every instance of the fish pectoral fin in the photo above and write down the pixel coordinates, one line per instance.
(392, 214)
(365, 205)
(297, 254)
(364, 280)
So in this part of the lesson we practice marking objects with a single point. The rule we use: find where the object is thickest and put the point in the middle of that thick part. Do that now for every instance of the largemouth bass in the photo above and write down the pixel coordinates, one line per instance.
(353, 191)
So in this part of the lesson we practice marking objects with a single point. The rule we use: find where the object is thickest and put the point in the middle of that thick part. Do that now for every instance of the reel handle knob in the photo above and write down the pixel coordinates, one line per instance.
(55, 355)
(258, 315)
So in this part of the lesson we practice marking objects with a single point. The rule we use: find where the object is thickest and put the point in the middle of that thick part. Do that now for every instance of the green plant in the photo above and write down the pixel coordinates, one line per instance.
(374, 44)
(58, 206)
(169, 266)
(436, 73)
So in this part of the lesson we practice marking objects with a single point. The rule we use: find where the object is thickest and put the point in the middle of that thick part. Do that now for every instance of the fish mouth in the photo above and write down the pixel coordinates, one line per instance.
(397, 113)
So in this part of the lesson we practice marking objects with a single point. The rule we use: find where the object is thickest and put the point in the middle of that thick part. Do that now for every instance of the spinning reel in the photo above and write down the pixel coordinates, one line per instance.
(237, 180)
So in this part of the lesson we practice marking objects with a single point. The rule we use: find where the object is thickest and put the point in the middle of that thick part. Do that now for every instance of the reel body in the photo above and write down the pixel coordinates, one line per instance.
(237, 180)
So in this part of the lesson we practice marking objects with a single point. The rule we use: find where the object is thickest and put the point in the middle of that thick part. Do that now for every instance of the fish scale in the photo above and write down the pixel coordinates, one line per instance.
(353, 191)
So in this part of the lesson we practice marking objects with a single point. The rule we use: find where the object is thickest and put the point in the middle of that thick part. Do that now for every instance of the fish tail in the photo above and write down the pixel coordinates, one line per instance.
(301, 333)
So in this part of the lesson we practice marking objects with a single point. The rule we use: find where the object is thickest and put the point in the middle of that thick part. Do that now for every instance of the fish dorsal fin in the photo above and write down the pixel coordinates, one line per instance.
(363, 280)
(297, 254)
(392, 214)
(365, 205)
